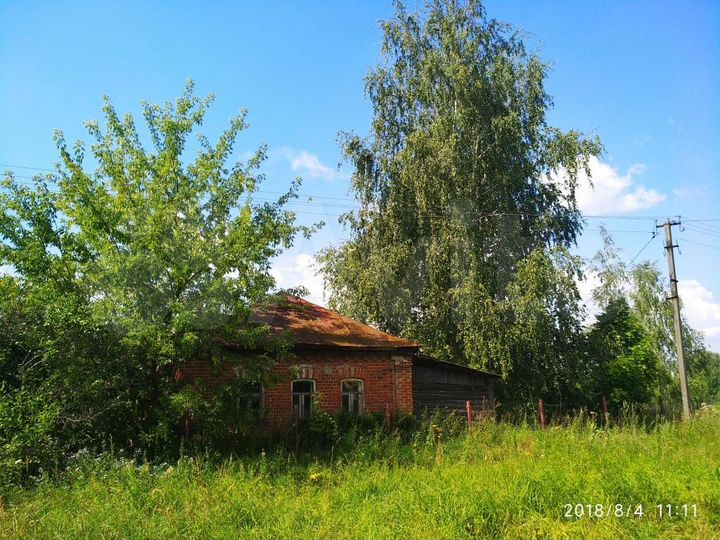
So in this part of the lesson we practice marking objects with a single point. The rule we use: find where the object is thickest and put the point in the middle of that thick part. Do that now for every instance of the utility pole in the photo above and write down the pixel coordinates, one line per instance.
(682, 368)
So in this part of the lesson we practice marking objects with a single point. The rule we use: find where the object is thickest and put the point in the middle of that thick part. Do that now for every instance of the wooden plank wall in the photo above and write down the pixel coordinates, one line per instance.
(442, 387)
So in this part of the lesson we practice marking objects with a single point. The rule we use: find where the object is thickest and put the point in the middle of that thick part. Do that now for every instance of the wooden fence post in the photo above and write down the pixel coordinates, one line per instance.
(541, 408)
(468, 410)
(388, 416)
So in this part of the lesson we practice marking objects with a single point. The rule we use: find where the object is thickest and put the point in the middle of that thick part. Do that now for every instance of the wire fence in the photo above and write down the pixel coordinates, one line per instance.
(543, 415)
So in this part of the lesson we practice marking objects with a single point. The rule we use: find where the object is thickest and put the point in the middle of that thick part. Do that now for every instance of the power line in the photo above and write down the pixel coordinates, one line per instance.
(698, 223)
(701, 244)
(345, 199)
(714, 234)
(329, 206)
(26, 167)
(436, 214)
(711, 227)
(643, 248)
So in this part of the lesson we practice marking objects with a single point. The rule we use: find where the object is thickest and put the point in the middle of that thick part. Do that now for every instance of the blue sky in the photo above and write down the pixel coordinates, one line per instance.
(644, 76)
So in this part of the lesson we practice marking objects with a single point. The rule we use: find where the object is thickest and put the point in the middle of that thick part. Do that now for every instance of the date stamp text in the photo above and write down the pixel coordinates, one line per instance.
(636, 511)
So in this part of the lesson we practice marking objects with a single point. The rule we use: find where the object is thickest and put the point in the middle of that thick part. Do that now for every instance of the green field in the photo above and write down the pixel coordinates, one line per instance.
(499, 481)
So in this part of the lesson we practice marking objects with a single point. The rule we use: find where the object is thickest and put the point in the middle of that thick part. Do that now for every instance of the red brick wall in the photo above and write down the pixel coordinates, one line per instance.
(387, 380)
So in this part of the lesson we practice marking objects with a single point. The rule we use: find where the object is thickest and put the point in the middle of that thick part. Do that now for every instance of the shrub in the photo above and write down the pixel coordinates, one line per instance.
(407, 423)
(28, 434)
(320, 430)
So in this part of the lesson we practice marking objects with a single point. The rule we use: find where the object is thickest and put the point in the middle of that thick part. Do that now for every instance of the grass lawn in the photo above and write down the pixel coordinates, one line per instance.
(499, 481)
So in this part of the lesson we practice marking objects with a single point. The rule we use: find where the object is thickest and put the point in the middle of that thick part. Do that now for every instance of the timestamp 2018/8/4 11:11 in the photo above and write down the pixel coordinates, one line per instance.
(618, 510)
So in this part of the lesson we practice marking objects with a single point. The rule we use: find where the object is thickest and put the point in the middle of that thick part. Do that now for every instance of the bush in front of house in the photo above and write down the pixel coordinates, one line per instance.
(320, 431)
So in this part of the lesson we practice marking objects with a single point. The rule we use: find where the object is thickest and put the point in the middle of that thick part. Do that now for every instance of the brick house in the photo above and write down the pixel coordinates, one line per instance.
(350, 366)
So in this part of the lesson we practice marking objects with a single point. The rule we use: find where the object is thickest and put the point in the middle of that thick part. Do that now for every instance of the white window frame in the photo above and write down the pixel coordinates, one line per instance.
(302, 397)
(352, 396)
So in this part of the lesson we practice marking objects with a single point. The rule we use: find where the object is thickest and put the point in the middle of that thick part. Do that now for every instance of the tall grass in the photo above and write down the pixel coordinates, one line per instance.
(498, 481)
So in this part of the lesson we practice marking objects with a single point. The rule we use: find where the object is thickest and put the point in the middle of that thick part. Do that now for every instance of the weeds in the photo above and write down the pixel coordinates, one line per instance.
(499, 480)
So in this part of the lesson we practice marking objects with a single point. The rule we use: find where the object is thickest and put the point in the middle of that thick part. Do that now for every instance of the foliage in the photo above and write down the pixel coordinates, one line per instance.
(364, 423)
(217, 416)
(463, 187)
(543, 306)
(637, 311)
(627, 367)
(319, 431)
(498, 481)
(125, 268)
(28, 433)
(704, 376)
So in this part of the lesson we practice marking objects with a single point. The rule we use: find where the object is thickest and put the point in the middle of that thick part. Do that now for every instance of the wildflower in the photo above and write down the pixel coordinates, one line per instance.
(316, 478)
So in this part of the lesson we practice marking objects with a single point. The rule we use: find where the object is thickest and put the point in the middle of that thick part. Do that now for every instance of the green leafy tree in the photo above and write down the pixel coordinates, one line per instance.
(649, 298)
(124, 269)
(462, 183)
(704, 376)
(542, 315)
(644, 287)
(627, 366)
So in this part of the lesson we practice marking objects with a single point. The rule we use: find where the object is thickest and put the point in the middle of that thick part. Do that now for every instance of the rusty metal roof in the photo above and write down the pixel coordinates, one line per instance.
(316, 326)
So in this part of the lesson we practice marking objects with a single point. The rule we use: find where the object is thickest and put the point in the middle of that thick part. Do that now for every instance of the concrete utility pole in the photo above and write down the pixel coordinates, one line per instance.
(682, 368)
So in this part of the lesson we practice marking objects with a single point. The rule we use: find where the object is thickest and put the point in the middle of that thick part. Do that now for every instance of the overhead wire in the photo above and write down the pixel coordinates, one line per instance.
(702, 226)
(440, 214)
(700, 243)
(702, 231)
(652, 237)
(324, 203)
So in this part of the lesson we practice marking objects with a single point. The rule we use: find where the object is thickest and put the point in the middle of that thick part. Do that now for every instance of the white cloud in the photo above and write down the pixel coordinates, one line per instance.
(612, 192)
(307, 164)
(702, 310)
(299, 270)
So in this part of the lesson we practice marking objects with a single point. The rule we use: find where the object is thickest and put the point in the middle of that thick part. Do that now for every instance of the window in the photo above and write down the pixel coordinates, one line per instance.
(250, 399)
(302, 396)
(352, 396)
